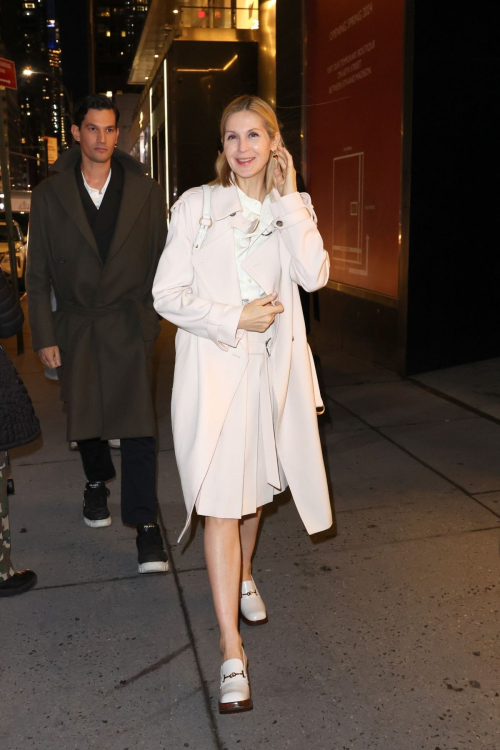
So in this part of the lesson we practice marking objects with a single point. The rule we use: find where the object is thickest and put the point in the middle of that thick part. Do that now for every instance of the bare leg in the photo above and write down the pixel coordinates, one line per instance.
(223, 556)
(248, 533)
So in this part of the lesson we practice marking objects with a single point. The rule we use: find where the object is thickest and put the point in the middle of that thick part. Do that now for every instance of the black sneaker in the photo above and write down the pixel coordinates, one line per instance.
(22, 581)
(95, 507)
(151, 555)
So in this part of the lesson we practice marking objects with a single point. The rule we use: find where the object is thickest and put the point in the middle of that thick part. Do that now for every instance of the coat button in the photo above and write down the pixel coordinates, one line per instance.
(279, 223)
(62, 260)
(233, 214)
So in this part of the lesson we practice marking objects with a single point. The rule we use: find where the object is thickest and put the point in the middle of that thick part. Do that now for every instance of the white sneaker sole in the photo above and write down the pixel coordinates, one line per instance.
(154, 567)
(98, 524)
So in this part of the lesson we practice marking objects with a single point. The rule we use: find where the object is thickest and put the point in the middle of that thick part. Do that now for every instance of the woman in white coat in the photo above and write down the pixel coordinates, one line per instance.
(245, 391)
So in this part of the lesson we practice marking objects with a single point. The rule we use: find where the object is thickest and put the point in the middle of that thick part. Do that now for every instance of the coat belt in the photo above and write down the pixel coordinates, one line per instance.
(94, 313)
(260, 382)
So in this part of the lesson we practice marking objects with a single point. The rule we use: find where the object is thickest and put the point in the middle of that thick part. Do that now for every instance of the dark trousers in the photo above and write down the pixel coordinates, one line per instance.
(139, 502)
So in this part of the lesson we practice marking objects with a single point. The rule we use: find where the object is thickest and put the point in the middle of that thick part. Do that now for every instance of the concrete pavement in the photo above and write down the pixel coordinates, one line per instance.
(384, 637)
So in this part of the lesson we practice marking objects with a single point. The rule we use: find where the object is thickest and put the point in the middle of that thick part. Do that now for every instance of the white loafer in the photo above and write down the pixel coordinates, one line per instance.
(253, 609)
(234, 686)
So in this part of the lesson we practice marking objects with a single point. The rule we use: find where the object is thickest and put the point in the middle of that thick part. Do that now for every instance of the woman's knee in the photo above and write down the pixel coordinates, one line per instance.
(221, 524)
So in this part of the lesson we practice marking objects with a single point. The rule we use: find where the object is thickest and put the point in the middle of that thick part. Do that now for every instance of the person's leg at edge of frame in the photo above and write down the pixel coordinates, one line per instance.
(6, 569)
(11, 582)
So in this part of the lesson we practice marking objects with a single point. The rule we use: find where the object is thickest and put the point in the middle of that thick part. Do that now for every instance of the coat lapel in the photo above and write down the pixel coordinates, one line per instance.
(135, 194)
(216, 262)
(225, 202)
(263, 265)
(216, 265)
(66, 189)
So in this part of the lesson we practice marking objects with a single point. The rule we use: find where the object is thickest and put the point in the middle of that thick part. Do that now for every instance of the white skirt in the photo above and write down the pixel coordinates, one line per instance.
(245, 472)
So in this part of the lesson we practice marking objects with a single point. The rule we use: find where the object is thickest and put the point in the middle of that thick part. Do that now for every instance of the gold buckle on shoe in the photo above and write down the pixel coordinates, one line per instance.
(234, 674)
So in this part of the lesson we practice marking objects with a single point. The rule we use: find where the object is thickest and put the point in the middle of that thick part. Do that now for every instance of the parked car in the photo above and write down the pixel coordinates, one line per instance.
(21, 246)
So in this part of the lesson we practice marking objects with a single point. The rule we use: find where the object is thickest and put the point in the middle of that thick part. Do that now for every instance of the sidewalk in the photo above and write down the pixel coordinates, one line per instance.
(384, 637)
(476, 384)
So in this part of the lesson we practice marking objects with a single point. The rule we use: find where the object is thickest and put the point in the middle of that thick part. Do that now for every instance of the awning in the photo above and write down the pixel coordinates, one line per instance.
(156, 37)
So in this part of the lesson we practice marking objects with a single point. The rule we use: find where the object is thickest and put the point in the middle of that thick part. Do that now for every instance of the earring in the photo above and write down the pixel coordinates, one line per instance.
(274, 155)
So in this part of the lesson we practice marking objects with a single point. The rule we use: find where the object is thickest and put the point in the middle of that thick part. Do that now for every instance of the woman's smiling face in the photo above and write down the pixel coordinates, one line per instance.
(247, 144)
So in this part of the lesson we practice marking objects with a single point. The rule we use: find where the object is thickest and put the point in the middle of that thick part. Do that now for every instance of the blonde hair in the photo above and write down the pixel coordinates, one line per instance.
(247, 103)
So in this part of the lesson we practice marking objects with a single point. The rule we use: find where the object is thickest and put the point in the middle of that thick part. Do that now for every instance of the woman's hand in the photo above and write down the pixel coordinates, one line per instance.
(284, 172)
(259, 314)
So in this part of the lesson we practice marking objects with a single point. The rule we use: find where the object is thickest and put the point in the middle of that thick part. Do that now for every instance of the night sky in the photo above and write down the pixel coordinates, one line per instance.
(73, 29)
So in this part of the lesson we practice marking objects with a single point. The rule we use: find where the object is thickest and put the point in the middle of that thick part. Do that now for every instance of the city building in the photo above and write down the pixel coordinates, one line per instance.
(31, 36)
(114, 31)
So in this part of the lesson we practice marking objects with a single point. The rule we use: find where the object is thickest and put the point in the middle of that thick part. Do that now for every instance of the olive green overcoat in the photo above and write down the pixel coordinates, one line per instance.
(105, 325)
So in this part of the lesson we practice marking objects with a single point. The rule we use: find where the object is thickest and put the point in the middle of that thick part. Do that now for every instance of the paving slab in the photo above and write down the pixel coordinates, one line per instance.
(113, 670)
(476, 384)
(396, 403)
(366, 470)
(337, 368)
(466, 451)
(490, 500)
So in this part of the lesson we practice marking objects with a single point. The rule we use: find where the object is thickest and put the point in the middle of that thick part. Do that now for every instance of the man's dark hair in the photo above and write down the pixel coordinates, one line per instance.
(92, 101)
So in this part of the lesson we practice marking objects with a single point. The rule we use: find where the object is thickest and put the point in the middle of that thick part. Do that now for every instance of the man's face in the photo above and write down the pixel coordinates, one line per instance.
(97, 135)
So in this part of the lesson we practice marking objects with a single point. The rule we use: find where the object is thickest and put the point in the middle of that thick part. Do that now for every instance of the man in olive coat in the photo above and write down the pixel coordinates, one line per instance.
(97, 229)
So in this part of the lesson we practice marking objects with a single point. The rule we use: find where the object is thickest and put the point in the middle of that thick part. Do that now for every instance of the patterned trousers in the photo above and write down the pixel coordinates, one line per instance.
(6, 569)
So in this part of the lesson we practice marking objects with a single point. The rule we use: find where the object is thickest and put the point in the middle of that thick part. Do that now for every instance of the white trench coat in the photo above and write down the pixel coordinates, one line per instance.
(199, 292)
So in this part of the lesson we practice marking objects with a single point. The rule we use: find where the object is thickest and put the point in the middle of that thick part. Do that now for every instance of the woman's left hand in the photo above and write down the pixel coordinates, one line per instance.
(284, 172)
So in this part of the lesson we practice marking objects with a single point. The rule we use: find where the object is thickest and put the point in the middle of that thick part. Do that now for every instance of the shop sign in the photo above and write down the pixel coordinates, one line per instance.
(52, 153)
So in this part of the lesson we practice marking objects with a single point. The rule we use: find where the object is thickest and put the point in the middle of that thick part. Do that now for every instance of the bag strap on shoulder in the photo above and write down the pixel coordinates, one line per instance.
(206, 218)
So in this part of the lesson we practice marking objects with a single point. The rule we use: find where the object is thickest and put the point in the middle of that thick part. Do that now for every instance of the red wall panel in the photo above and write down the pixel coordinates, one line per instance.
(354, 137)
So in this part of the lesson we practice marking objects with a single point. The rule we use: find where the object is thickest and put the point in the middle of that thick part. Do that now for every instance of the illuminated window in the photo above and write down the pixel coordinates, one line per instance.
(29, 5)
(108, 33)
(247, 14)
(124, 33)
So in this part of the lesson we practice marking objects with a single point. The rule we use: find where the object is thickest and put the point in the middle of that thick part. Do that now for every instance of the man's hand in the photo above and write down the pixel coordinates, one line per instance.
(259, 314)
(50, 356)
